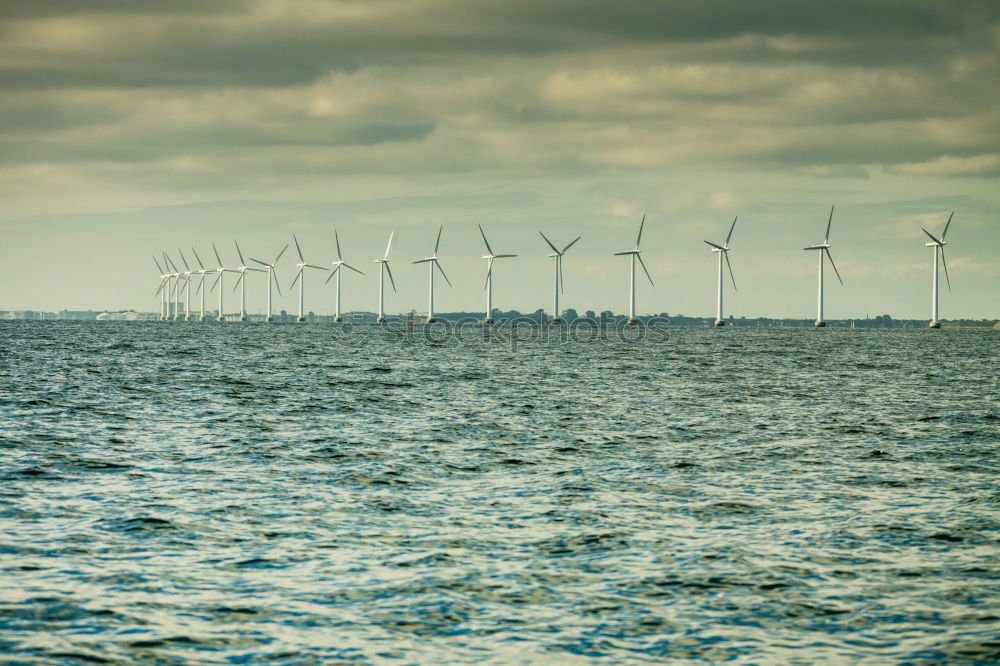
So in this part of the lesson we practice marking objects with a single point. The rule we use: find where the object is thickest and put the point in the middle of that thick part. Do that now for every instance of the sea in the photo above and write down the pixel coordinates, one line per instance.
(205, 493)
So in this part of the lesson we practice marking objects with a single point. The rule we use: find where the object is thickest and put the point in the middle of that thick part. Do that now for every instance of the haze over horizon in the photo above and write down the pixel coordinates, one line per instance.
(128, 129)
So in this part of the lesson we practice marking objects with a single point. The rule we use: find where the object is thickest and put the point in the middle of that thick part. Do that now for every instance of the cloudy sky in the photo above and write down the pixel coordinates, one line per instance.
(131, 128)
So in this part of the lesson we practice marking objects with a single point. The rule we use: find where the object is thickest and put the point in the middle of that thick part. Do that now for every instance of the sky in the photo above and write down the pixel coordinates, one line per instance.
(128, 129)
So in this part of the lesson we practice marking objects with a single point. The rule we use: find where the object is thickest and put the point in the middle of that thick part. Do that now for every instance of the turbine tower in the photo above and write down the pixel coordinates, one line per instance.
(241, 282)
(382, 270)
(824, 253)
(938, 245)
(218, 281)
(164, 279)
(271, 278)
(202, 271)
(431, 262)
(300, 277)
(557, 255)
(634, 254)
(723, 251)
(337, 265)
(187, 286)
(490, 256)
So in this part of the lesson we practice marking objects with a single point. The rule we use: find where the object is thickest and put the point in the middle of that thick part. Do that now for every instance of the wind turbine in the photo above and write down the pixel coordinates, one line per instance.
(201, 285)
(634, 254)
(187, 286)
(241, 282)
(723, 251)
(219, 282)
(938, 245)
(300, 277)
(337, 265)
(490, 256)
(164, 280)
(824, 249)
(558, 255)
(382, 270)
(174, 297)
(271, 277)
(431, 262)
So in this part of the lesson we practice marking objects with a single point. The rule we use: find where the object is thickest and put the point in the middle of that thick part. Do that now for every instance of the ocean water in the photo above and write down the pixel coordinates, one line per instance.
(176, 493)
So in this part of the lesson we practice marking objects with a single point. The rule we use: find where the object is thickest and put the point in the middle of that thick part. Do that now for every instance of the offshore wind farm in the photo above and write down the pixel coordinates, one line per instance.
(169, 289)
(339, 332)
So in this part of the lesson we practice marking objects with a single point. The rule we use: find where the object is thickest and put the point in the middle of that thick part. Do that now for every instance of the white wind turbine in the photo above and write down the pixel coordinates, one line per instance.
(164, 280)
(241, 282)
(490, 256)
(558, 255)
(174, 297)
(723, 251)
(938, 245)
(382, 270)
(219, 281)
(271, 278)
(824, 249)
(634, 254)
(300, 277)
(202, 271)
(337, 265)
(187, 286)
(432, 261)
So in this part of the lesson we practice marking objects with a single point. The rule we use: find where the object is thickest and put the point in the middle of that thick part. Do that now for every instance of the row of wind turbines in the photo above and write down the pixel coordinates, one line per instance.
(174, 281)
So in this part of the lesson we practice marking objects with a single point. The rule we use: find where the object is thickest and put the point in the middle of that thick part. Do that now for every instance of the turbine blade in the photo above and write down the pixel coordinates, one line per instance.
(813, 247)
(239, 252)
(438, 264)
(353, 269)
(931, 236)
(321, 268)
(422, 261)
(184, 259)
(336, 239)
(731, 230)
(550, 243)
(946, 225)
(731, 276)
(572, 243)
(200, 284)
(217, 257)
(160, 288)
(643, 264)
(489, 274)
(279, 254)
(389, 245)
(297, 276)
(503, 256)
(389, 271)
(562, 281)
(198, 258)
(216, 283)
(483, 233)
(274, 276)
(239, 280)
(945, 264)
(258, 261)
(828, 223)
(157, 264)
(298, 249)
(330, 276)
(639, 237)
(437, 243)
(830, 257)
(719, 247)
(622, 254)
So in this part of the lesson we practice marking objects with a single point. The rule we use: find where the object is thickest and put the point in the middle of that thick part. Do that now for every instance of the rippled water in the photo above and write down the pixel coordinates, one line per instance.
(189, 493)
